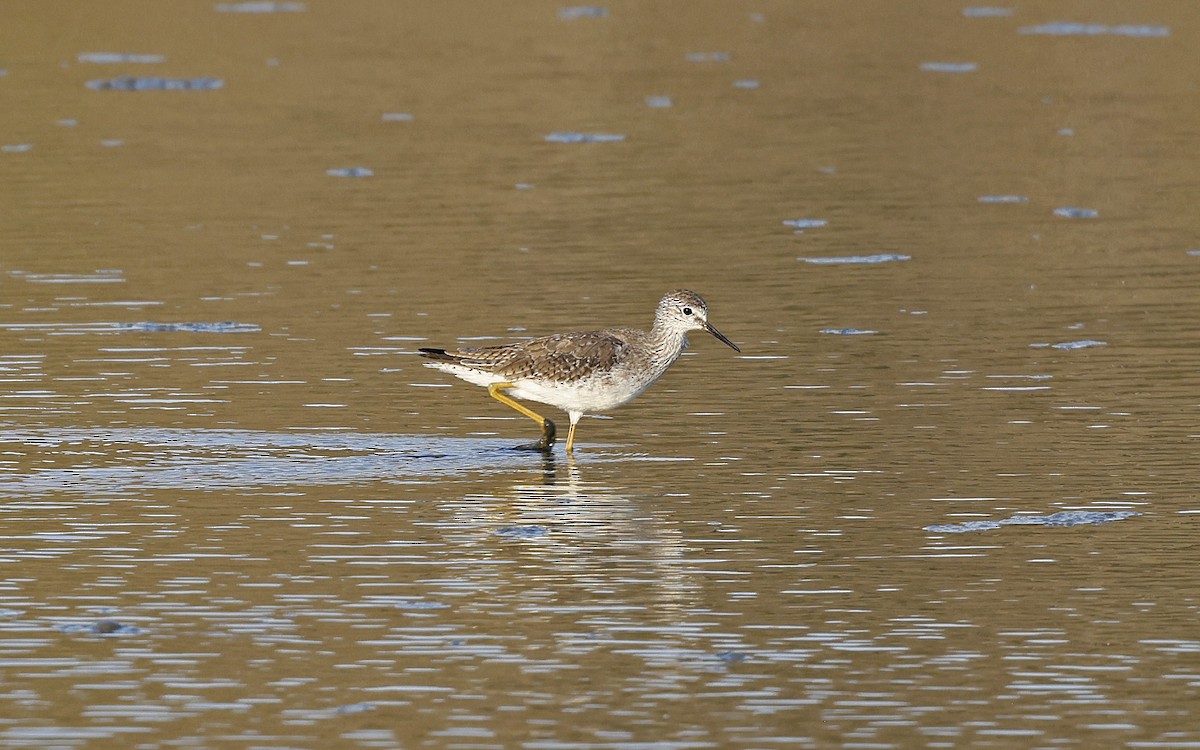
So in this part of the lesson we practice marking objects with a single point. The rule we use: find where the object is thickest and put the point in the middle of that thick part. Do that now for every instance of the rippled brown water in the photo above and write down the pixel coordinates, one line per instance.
(238, 513)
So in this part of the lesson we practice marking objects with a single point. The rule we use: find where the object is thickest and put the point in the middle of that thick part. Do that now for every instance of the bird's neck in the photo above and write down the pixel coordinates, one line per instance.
(667, 343)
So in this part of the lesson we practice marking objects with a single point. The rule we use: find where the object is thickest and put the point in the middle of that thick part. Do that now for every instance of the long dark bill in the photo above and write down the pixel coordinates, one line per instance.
(713, 330)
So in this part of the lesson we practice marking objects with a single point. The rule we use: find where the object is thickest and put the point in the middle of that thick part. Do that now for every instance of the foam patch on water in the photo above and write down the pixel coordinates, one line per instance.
(1003, 199)
(114, 58)
(865, 259)
(731, 656)
(1062, 518)
(155, 83)
(1071, 212)
(259, 7)
(226, 326)
(351, 708)
(949, 67)
(575, 12)
(1069, 345)
(1070, 28)
(987, 11)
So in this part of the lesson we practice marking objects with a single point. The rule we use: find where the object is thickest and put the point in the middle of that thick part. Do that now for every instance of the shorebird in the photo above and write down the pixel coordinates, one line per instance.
(582, 372)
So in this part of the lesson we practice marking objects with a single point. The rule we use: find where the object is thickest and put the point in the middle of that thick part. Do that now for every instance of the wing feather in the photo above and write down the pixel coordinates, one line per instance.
(565, 357)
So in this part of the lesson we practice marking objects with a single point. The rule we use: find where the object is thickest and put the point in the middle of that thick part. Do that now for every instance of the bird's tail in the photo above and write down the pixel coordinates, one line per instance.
(437, 355)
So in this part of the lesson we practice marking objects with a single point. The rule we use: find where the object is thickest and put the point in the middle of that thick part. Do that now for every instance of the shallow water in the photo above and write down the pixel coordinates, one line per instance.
(945, 497)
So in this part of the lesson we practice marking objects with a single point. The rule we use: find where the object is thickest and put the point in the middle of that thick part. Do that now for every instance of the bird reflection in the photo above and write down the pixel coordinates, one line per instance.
(569, 533)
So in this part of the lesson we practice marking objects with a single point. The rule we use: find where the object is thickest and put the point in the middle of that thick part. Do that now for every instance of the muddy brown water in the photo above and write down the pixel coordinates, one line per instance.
(237, 512)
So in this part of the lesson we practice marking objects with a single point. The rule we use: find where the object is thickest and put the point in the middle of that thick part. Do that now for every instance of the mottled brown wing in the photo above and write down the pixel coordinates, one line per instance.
(565, 357)
(479, 358)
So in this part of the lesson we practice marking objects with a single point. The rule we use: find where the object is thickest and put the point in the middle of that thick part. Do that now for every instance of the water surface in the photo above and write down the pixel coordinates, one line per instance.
(945, 497)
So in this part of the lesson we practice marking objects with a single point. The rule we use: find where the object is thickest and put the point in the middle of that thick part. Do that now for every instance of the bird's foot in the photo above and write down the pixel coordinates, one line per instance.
(545, 444)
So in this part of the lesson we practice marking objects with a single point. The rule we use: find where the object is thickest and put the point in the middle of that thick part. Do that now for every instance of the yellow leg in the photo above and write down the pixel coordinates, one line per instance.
(495, 390)
(571, 439)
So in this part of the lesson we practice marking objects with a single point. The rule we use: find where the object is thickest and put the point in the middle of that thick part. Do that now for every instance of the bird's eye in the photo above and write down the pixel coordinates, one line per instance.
(687, 311)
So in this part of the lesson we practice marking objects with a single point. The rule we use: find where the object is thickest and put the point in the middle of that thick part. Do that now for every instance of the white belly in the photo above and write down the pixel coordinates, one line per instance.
(585, 396)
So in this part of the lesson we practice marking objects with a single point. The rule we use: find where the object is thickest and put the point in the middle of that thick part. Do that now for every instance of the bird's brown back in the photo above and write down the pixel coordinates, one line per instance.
(564, 357)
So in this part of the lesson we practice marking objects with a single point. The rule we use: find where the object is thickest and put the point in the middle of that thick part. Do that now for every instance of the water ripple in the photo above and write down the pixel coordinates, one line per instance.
(155, 83)
(531, 531)
(106, 58)
(179, 458)
(227, 326)
(1071, 345)
(848, 331)
(100, 276)
(987, 11)
(1072, 212)
(1003, 199)
(805, 223)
